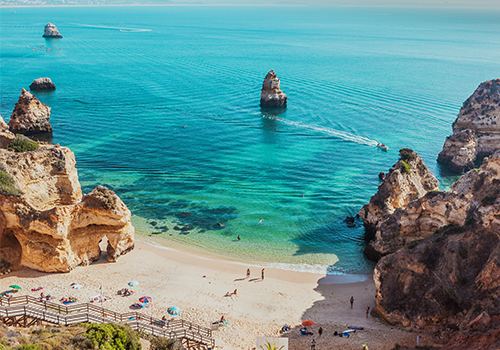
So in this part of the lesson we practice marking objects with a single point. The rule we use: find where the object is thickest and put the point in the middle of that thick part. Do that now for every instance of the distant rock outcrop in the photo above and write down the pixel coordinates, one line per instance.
(5, 135)
(407, 181)
(42, 84)
(51, 31)
(30, 116)
(476, 131)
(45, 222)
(450, 280)
(271, 95)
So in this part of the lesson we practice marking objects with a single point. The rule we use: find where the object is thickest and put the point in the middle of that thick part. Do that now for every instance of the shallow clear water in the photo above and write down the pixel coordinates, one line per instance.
(161, 104)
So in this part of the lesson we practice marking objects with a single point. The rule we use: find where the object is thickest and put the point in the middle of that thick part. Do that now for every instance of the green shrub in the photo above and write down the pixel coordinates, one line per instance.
(413, 244)
(112, 336)
(406, 167)
(163, 344)
(22, 144)
(407, 154)
(8, 186)
(489, 200)
(29, 347)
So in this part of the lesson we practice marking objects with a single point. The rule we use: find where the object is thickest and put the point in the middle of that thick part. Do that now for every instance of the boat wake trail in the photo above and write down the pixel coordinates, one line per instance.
(127, 30)
(329, 131)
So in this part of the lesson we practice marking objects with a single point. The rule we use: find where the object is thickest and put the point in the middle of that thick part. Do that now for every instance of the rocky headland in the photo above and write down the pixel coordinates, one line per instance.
(476, 131)
(51, 31)
(42, 84)
(46, 223)
(439, 267)
(271, 95)
(30, 116)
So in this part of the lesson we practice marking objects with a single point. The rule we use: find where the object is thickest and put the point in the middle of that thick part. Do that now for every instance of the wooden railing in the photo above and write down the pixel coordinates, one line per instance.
(65, 315)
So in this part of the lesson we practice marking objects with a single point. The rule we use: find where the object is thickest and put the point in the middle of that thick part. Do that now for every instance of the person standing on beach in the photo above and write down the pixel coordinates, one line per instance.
(352, 301)
(313, 344)
(320, 331)
(367, 311)
(248, 273)
(262, 274)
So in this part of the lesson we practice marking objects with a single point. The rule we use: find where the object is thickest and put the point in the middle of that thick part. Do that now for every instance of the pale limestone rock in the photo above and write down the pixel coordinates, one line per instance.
(5, 135)
(476, 131)
(271, 95)
(51, 31)
(51, 227)
(30, 117)
(42, 84)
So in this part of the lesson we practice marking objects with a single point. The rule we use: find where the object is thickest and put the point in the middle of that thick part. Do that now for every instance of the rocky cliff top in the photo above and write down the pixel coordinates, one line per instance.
(50, 31)
(30, 116)
(476, 131)
(271, 95)
(45, 222)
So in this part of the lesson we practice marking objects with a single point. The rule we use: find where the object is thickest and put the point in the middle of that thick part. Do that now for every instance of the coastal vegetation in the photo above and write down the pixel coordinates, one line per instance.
(22, 144)
(8, 186)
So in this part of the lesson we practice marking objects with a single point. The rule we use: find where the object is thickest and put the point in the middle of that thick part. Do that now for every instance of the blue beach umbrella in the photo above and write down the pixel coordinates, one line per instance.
(174, 310)
(133, 283)
(145, 299)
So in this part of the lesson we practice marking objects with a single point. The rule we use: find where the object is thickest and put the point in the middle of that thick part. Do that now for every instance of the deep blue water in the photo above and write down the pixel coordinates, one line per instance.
(161, 104)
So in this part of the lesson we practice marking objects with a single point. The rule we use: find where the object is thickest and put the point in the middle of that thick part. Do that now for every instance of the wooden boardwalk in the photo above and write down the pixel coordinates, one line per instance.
(26, 311)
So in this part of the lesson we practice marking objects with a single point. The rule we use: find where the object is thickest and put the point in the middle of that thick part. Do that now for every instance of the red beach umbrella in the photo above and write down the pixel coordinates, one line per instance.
(307, 323)
(145, 299)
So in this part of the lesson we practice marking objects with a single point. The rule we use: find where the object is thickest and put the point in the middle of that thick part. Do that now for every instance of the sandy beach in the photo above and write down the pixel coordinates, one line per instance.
(261, 307)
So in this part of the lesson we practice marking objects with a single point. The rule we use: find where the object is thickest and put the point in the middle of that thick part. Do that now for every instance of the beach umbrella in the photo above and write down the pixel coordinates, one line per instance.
(174, 310)
(145, 299)
(15, 286)
(133, 283)
(307, 323)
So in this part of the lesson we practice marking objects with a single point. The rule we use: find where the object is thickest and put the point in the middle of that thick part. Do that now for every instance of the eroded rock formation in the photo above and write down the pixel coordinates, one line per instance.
(50, 226)
(476, 131)
(30, 117)
(450, 280)
(42, 84)
(5, 135)
(408, 180)
(271, 95)
(51, 31)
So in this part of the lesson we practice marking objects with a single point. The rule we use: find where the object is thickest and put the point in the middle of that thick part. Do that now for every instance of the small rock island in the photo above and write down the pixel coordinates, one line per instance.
(271, 95)
(30, 117)
(42, 84)
(51, 31)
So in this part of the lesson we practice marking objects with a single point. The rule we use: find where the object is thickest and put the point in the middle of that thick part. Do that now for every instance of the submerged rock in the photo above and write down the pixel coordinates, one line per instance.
(46, 223)
(42, 84)
(271, 95)
(476, 131)
(30, 117)
(51, 31)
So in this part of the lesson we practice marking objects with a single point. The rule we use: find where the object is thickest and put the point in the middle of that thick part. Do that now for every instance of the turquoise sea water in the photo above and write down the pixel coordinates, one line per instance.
(161, 104)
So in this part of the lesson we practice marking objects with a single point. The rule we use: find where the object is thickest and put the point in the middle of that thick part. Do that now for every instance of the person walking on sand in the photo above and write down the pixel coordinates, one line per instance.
(248, 273)
(320, 331)
(313, 344)
(262, 274)
(367, 311)
(352, 301)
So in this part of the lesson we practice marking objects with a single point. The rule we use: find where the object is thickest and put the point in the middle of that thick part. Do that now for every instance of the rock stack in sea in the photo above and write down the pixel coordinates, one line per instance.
(407, 181)
(45, 222)
(42, 84)
(448, 281)
(476, 131)
(30, 117)
(271, 95)
(5, 135)
(51, 31)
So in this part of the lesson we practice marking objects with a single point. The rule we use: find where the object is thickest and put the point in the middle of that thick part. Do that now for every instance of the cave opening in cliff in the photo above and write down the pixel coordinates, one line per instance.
(10, 248)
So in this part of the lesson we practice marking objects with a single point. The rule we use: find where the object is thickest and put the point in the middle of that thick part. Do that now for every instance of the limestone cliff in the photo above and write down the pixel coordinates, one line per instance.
(51, 31)
(42, 84)
(5, 135)
(50, 226)
(271, 95)
(476, 131)
(450, 279)
(408, 180)
(30, 116)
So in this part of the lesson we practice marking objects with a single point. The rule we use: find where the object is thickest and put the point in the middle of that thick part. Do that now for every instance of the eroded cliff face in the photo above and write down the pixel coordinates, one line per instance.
(476, 131)
(5, 135)
(450, 280)
(271, 95)
(30, 117)
(51, 227)
(407, 181)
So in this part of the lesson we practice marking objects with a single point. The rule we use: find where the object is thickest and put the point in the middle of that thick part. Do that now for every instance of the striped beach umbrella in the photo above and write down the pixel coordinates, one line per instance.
(174, 310)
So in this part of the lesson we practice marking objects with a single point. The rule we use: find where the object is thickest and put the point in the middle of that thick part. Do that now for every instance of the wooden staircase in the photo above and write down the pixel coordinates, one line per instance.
(25, 311)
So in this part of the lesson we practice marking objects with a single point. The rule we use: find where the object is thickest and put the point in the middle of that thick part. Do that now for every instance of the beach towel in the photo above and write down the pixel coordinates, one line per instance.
(69, 302)
(76, 286)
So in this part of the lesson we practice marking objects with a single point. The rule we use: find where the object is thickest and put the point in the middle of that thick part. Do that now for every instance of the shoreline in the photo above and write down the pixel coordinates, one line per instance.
(197, 285)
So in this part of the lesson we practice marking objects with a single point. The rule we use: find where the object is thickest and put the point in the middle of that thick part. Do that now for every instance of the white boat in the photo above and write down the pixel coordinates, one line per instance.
(382, 146)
